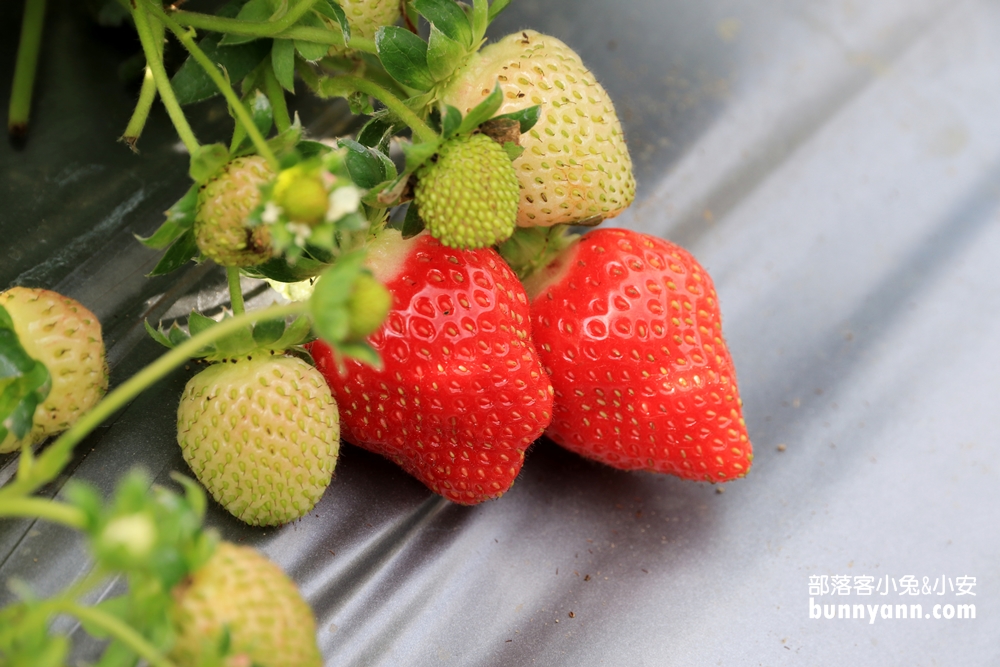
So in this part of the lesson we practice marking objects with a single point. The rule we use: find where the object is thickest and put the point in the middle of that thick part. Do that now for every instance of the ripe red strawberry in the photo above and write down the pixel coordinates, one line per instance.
(462, 394)
(241, 592)
(628, 327)
(575, 165)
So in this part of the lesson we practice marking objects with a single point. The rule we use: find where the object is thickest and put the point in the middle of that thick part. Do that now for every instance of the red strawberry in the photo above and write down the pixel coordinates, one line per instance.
(462, 393)
(628, 326)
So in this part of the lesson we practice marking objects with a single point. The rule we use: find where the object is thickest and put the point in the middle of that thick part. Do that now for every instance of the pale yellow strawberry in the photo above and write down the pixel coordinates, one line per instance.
(262, 435)
(241, 592)
(575, 166)
(367, 16)
(66, 337)
(220, 225)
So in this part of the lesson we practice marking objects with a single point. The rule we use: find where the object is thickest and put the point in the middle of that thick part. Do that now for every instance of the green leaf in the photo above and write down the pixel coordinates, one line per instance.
(444, 54)
(206, 161)
(19, 398)
(191, 83)
(311, 51)
(333, 11)
(526, 117)
(308, 149)
(449, 18)
(404, 57)
(268, 332)
(483, 111)
(262, 112)
(180, 218)
(328, 303)
(376, 133)
(497, 7)
(365, 168)
(283, 62)
(257, 11)
(182, 251)
(278, 269)
(450, 121)
(413, 224)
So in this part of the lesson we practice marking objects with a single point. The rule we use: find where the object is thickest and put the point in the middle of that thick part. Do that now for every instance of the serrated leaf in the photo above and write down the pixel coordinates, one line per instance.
(333, 11)
(417, 154)
(404, 57)
(206, 161)
(450, 121)
(311, 51)
(365, 168)
(444, 54)
(482, 111)
(180, 218)
(182, 251)
(413, 224)
(191, 83)
(198, 323)
(268, 332)
(526, 117)
(283, 63)
(449, 18)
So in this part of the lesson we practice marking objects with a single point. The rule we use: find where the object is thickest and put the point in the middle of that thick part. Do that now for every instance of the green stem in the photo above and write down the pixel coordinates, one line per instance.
(49, 510)
(235, 291)
(240, 27)
(146, 94)
(185, 37)
(26, 67)
(345, 84)
(116, 628)
(47, 466)
(271, 29)
(147, 37)
(275, 93)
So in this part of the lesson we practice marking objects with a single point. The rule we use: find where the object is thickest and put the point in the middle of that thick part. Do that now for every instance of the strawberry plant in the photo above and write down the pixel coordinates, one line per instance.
(436, 311)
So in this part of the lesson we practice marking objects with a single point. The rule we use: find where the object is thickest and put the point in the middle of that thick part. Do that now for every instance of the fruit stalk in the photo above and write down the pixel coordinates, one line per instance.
(41, 508)
(344, 85)
(116, 628)
(185, 38)
(55, 457)
(25, 68)
(235, 291)
(255, 28)
(138, 121)
(151, 48)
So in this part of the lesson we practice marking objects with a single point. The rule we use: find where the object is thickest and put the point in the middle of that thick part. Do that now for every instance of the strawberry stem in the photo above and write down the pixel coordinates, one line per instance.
(150, 46)
(530, 249)
(47, 466)
(345, 84)
(235, 291)
(114, 627)
(186, 38)
(42, 508)
(25, 68)
(276, 94)
(146, 94)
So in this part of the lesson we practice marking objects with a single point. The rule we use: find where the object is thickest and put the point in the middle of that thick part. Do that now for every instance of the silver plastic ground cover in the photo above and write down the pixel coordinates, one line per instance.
(836, 167)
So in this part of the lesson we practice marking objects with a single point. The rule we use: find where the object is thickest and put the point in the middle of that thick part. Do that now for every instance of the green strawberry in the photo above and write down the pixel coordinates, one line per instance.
(575, 166)
(66, 338)
(262, 435)
(223, 206)
(241, 592)
(468, 196)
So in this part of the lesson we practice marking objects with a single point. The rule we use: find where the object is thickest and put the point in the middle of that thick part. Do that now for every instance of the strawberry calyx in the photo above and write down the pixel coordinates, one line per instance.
(531, 249)
(264, 337)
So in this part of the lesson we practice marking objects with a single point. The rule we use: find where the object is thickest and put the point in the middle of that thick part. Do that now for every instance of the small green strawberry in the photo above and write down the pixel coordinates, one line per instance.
(367, 16)
(241, 593)
(468, 196)
(575, 166)
(65, 337)
(220, 225)
(262, 435)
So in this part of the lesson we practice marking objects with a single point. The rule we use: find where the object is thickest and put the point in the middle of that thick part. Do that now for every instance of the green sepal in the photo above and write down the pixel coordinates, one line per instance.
(268, 332)
(334, 12)
(198, 323)
(180, 218)
(266, 336)
(413, 224)
(361, 351)
(496, 7)
(360, 104)
(451, 120)
(280, 270)
(191, 83)
(180, 252)
(24, 382)
(482, 111)
(389, 193)
(417, 154)
(377, 133)
(525, 117)
(328, 303)
(206, 161)
(513, 150)
(449, 18)
(283, 62)
(404, 57)
(367, 166)
(444, 54)
(311, 51)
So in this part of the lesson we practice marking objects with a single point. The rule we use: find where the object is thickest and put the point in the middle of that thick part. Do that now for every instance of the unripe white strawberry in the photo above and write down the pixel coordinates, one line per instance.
(262, 435)
(468, 196)
(241, 592)
(220, 225)
(66, 338)
(367, 16)
(575, 166)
